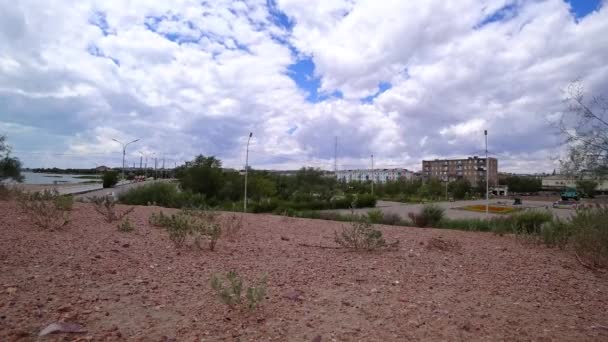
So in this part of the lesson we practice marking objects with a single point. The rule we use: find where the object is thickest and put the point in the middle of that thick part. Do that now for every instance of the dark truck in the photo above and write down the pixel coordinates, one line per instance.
(570, 194)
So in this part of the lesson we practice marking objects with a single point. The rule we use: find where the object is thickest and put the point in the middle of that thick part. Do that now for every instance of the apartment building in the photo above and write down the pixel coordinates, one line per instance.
(472, 168)
(378, 175)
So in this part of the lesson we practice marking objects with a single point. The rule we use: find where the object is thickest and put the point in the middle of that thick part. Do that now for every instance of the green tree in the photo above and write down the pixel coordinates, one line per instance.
(585, 128)
(203, 175)
(460, 188)
(10, 167)
(261, 187)
(523, 184)
(586, 187)
(109, 179)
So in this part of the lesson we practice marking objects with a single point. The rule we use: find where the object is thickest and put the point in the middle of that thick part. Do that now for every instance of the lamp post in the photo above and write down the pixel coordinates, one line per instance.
(373, 175)
(246, 169)
(124, 152)
(485, 132)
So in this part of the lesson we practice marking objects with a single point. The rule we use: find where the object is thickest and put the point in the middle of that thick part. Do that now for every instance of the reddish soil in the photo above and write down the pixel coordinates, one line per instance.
(439, 285)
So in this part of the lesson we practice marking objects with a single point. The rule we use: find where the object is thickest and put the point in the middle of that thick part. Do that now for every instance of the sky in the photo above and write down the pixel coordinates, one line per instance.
(402, 80)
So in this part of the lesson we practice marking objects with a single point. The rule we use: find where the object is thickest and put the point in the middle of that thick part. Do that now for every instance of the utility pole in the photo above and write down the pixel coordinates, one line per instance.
(246, 169)
(447, 180)
(140, 161)
(124, 152)
(485, 132)
(372, 174)
(163, 172)
(336, 155)
(155, 170)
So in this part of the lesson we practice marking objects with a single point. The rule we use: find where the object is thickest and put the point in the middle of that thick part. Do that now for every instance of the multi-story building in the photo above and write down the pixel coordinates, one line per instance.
(472, 169)
(378, 175)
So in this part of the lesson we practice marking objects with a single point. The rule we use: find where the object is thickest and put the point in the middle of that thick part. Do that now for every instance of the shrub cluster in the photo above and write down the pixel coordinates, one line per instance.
(162, 194)
(429, 216)
(109, 179)
(197, 224)
(47, 209)
(588, 233)
(126, 226)
(360, 235)
(107, 208)
(344, 202)
(232, 293)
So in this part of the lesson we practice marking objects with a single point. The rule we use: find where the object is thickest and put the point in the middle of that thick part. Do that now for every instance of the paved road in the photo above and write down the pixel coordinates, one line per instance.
(451, 211)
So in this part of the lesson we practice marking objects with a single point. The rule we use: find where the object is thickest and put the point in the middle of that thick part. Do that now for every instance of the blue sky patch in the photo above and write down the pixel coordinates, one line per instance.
(303, 73)
(581, 8)
(504, 13)
(278, 17)
(382, 87)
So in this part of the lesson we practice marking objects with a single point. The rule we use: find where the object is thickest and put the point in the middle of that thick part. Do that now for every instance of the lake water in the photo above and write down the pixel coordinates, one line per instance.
(52, 178)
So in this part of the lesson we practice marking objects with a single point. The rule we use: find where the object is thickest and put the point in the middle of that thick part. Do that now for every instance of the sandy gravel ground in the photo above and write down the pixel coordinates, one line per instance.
(138, 286)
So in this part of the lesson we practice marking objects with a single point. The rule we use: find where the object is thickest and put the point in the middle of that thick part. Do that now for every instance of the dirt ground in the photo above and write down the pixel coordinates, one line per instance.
(439, 285)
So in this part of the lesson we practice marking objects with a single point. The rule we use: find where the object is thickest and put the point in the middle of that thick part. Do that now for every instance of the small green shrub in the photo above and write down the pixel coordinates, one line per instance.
(109, 179)
(556, 233)
(231, 293)
(393, 219)
(429, 216)
(433, 213)
(472, 224)
(107, 208)
(232, 225)
(159, 220)
(126, 226)
(590, 235)
(163, 194)
(360, 235)
(196, 223)
(375, 216)
(46, 209)
(530, 222)
(365, 201)
(65, 203)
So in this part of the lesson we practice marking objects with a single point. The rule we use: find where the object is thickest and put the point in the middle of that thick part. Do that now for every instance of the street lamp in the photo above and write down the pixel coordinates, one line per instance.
(246, 167)
(124, 152)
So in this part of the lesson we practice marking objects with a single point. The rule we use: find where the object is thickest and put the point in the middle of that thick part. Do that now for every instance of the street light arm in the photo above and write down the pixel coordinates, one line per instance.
(130, 142)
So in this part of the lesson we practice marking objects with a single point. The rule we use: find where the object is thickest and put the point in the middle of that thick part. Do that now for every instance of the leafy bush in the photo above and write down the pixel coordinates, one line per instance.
(109, 179)
(106, 207)
(429, 216)
(590, 235)
(162, 194)
(231, 294)
(232, 225)
(46, 208)
(126, 226)
(65, 203)
(199, 224)
(159, 220)
(556, 233)
(265, 206)
(433, 213)
(360, 235)
(375, 216)
(531, 221)
(393, 219)
(365, 201)
(473, 224)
